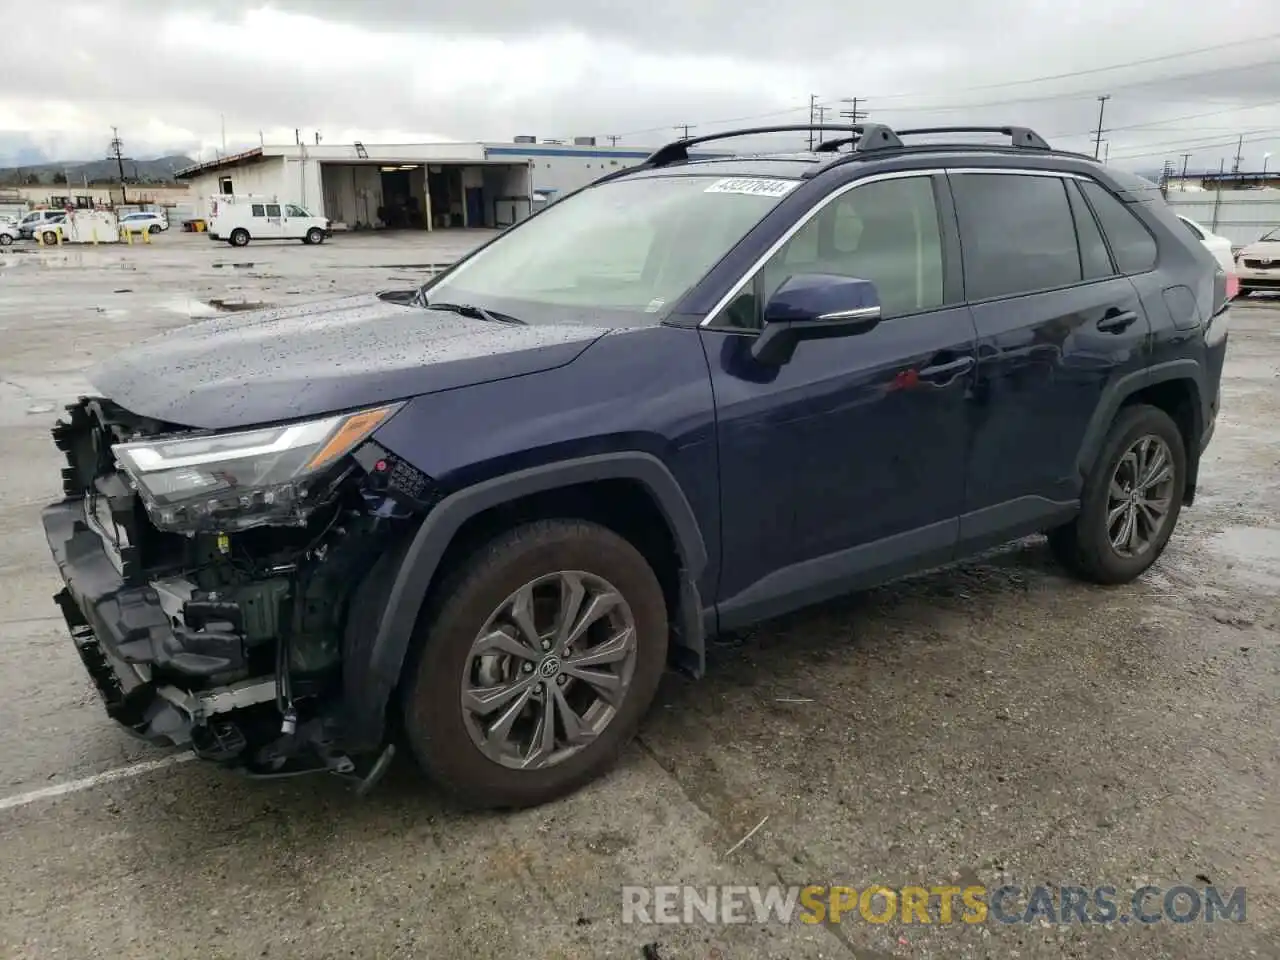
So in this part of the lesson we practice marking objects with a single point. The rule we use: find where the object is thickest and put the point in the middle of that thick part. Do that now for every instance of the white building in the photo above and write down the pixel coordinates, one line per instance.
(431, 185)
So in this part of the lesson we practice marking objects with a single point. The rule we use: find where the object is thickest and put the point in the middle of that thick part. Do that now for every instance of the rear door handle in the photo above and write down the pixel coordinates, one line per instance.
(944, 373)
(1116, 320)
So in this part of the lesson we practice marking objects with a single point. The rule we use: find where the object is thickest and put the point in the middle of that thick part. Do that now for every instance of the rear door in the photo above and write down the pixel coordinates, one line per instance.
(1056, 324)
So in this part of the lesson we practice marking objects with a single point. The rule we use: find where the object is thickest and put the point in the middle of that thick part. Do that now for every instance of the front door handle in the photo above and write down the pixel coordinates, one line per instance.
(1113, 321)
(944, 373)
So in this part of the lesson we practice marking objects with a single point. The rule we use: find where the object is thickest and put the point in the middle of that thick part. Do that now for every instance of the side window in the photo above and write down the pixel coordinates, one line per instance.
(1017, 234)
(1094, 259)
(293, 210)
(273, 210)
(258, 210)
(1131, 243)
(1195, 231)
(886, 232)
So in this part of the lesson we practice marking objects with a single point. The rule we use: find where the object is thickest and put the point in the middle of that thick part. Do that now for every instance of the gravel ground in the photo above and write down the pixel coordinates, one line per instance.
(994, 723)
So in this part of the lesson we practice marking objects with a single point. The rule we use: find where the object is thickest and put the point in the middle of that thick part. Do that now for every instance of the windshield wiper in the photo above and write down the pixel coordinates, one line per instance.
(474, 312)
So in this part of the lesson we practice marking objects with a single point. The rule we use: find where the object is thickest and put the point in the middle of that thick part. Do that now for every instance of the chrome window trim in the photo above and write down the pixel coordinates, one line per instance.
(796, 227)
(817, 208)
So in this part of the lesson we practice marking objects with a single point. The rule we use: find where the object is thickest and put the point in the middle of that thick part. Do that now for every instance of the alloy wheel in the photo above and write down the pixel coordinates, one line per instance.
(1140, 496)
(548, 670)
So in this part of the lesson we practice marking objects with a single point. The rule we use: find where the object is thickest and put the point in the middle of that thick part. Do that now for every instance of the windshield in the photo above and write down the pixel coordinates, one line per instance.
(622, 252)
(1273, 235)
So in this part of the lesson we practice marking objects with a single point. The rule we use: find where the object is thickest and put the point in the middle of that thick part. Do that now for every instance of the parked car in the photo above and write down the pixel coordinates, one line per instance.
(1219, 246)
(144, 221)
(9, 232)
(1258, 264)
(488, 513)
(36, 220)
(237, 221)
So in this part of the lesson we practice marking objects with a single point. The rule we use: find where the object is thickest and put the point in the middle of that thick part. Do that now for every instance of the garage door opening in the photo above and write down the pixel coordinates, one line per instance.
(425, 195)
(403, 201)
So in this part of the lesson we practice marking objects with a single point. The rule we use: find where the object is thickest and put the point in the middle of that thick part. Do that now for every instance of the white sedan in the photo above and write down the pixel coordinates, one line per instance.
(144, 221)
(1220, 247)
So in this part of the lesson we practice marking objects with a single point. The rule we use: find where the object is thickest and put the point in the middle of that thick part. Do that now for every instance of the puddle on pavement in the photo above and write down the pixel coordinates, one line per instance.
(237, 266)
(1254, 550)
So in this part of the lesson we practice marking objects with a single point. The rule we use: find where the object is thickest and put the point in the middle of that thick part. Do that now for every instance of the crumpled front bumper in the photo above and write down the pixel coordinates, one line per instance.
(115, 628)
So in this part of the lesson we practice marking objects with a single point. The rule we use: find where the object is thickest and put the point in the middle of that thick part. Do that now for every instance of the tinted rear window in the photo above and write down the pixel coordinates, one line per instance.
(1094, 259)
(1132, 245)
(1017, 234)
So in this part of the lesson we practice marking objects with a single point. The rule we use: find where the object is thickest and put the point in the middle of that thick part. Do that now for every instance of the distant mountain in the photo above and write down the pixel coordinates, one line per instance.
(159, 170)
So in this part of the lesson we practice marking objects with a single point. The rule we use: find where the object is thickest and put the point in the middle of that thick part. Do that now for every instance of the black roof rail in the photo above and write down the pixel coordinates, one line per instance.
(1023, 137)
(871, 136)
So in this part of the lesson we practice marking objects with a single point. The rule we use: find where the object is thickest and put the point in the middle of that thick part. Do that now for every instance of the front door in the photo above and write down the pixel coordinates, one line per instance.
(844, 465)
(1057, 322)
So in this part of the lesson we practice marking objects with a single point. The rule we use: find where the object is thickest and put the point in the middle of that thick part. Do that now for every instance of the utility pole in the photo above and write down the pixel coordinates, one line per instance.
(1185, 158)
(1239, 157)
(684, 130)
(822, 116)
(117, 151)
(613, 139)
(1097, 141)
(1106, 152)
(853, 114)
(1217, 197)
(813, 107)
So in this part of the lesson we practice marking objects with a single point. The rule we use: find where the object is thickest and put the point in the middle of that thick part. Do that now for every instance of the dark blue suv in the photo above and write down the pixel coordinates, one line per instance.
(482, 517)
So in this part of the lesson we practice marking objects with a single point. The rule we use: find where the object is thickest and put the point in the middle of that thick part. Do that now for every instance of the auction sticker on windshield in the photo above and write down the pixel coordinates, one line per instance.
(754, 186)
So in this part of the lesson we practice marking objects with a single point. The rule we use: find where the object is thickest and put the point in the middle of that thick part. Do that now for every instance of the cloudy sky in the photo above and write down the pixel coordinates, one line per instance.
(170, 74)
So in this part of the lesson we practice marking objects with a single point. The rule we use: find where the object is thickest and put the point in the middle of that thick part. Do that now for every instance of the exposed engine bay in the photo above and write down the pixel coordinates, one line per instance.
(210, 574)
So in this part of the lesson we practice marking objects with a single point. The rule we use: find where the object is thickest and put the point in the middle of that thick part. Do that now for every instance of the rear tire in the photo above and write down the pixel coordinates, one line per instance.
(1100, 545)
(50, 237)
(5, 239)
(239, 237)
(470, 752)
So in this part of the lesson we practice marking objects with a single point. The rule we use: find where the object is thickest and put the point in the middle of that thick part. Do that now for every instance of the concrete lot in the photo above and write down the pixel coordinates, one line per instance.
(994, 723)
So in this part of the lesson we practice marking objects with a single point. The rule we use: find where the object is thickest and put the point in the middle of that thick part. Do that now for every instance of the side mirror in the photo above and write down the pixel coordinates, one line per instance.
(814, 306)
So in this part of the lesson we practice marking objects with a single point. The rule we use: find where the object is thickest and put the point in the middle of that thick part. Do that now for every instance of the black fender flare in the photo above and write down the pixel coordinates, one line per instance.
(1119, 390)
(378, 677)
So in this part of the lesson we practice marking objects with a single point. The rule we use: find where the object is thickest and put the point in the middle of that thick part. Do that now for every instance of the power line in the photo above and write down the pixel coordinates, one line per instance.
(1076, 94)
(1197, 147)
(1095, 70)
(1155, 123)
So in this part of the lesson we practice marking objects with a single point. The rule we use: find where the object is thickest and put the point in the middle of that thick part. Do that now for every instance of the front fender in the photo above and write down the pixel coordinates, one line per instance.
(393, 593)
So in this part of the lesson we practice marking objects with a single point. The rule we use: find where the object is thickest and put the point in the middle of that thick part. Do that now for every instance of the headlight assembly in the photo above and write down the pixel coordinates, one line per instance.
(233, 481)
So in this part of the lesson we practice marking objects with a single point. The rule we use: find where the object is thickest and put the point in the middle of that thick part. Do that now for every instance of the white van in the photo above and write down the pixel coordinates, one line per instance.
(237, 220)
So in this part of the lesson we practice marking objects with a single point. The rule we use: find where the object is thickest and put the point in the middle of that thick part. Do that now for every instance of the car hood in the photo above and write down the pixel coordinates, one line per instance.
(316, 358)
(1263, 249)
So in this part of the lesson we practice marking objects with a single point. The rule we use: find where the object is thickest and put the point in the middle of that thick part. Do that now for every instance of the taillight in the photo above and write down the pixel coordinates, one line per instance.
(1233, 286)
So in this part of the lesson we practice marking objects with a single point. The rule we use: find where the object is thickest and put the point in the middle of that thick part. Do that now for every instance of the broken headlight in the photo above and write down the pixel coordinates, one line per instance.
(233, 481)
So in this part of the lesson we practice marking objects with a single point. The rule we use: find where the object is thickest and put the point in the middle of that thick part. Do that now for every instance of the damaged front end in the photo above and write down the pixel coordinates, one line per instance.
(209, 574)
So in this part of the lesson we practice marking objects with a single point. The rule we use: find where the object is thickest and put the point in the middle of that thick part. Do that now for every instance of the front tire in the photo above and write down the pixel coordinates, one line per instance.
(535, 664)
(239, 237)
(50, 237)
(153, 229)
(315, 235)
(5, 240)
(1131, 500)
